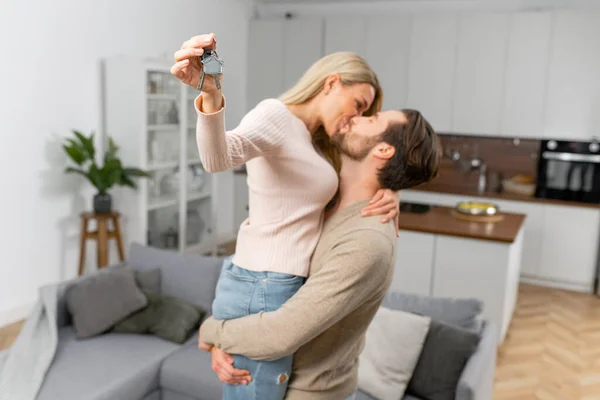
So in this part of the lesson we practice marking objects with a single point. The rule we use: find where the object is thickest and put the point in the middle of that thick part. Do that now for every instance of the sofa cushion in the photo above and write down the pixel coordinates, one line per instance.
(393, 344)
(187, 276)
(188, 371)
(177, 319)
(106, 367)
(167, 317)
(464, 313)
(141, 321)
(171, 395)
(446, 351)
(149, 281)
(153, 396)
(99, 301)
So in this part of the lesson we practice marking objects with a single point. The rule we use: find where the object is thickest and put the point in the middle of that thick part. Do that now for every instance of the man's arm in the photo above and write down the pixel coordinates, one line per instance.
(353, 271)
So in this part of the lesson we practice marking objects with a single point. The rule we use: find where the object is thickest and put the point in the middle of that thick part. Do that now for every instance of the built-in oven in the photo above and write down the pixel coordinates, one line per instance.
(569, 170)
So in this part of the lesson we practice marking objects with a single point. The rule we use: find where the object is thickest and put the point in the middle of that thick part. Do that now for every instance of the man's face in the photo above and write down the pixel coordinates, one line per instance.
(361, 134)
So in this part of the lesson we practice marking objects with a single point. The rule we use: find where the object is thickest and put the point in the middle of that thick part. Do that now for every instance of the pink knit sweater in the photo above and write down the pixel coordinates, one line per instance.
(289, 184)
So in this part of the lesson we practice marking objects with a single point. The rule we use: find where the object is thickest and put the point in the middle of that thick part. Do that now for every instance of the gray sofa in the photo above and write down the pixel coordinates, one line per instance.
(143, 367)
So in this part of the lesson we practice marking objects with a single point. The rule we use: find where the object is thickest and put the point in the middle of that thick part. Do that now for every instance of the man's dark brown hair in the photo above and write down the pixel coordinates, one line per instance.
(417, 156)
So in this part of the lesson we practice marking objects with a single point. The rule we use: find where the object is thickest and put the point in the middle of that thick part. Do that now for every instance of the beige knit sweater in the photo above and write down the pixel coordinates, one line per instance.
(324, 324)
(289, 182)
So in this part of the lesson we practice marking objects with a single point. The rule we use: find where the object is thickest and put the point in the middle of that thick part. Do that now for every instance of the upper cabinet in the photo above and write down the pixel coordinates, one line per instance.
(526, 74)
(480, 66)
(573, 93)
(345, 34)
(303, 46)
(432, 62)
(265, 61)
(387, 52)
(522, 74)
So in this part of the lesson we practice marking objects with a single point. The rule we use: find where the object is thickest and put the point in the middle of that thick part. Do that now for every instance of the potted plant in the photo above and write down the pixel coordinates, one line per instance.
(82, 152)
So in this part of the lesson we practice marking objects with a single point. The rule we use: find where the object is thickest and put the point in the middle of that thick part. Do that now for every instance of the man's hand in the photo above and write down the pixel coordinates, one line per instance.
(222, 364)
(204, 346)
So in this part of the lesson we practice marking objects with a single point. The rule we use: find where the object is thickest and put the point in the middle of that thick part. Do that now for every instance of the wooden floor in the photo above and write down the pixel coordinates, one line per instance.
(552, 350)
(8, 334)
(553, 347)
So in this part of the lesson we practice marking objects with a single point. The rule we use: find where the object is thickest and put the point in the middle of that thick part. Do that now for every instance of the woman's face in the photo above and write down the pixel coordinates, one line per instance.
(341, 103)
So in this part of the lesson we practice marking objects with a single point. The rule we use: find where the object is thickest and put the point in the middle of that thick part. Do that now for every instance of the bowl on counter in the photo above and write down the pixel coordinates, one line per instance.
(477, 208)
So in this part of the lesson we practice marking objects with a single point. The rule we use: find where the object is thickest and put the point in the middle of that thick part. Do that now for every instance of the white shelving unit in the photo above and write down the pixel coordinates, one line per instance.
(144, 114)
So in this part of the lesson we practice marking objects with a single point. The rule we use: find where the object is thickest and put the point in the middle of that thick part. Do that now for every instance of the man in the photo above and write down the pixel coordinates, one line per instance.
(324, 323)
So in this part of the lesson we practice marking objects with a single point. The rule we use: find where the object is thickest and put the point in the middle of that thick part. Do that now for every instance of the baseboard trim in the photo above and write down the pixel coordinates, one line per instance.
(9, 317)
(556, 285)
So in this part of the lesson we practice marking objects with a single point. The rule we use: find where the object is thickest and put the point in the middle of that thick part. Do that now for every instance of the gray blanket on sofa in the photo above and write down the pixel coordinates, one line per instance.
(23, 367)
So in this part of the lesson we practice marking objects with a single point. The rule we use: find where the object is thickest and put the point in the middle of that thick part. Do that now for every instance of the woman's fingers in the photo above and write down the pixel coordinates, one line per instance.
(388, 216)
(178, 68)
(187, 53)
(378, 196)
(200, 41)
(382, 210)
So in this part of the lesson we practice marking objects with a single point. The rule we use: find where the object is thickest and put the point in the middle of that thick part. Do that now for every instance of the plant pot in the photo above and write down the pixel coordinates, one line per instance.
(102, 203)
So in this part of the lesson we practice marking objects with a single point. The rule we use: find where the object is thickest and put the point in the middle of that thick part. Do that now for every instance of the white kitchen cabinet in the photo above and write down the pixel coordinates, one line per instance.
(560, 243)
(526, 74)
(417, 196)
(389, 62)
(265, 60)
(573, 93)
(346, 33)
(414, 263)
(480, 269)
(432, 67)
(480, 65)
(570, 245)
(303, 46)
(533, 233)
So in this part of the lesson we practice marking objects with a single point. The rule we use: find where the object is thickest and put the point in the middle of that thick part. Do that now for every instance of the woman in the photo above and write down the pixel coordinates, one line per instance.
(293, 175)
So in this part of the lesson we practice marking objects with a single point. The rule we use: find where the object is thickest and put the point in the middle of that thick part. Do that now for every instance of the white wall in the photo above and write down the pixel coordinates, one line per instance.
(50, 84)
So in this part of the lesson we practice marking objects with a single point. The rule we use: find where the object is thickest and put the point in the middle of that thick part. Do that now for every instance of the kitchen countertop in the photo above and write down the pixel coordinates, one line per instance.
(439, 220)
(447, 189)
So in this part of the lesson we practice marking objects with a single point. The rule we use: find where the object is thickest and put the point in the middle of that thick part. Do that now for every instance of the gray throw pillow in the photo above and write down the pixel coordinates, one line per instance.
(149, 281)
(393, 343)
(167, 317)
(445, 353)
(464, 313)
(177, 319)
(98, 301)
(141, 321)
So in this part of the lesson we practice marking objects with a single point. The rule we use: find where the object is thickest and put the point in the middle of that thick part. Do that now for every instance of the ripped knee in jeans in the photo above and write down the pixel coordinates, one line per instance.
(282, 378)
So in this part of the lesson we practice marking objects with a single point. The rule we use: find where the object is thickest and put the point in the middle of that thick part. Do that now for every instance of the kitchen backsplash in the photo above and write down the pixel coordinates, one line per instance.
(505, 156)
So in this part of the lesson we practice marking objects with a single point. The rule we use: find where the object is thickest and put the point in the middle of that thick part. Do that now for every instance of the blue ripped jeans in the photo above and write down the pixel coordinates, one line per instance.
(241, 292)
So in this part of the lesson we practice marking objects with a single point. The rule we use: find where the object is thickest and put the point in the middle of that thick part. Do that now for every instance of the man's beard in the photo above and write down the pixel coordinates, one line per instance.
(360, 148)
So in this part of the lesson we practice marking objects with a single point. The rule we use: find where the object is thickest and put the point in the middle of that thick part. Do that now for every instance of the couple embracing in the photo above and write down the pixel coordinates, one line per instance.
(315, 257)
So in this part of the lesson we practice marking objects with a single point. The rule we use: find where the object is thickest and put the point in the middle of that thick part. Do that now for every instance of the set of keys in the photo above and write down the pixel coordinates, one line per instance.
(211, 65)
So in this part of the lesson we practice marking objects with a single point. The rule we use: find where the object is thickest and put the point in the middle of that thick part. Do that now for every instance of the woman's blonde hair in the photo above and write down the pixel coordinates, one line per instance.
(352, 69)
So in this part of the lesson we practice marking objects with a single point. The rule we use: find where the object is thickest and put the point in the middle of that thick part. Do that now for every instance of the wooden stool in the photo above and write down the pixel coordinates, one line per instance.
(101, 236)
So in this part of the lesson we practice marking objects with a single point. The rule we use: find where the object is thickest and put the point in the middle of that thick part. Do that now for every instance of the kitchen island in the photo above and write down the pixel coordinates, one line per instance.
(441, 255)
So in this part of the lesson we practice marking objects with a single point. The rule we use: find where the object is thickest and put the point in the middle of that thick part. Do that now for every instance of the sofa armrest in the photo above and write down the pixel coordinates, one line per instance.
(477, 379)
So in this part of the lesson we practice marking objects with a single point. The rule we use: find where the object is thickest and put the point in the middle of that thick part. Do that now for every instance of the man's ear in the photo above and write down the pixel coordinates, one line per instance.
(384, 151)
